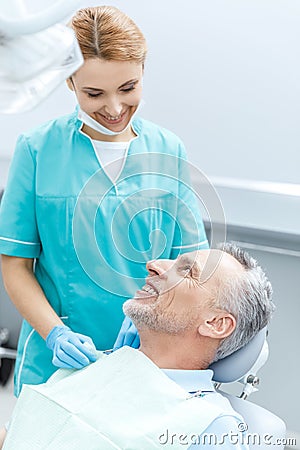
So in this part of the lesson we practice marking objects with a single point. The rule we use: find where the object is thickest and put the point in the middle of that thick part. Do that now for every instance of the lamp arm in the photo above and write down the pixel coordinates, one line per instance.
(32, 23)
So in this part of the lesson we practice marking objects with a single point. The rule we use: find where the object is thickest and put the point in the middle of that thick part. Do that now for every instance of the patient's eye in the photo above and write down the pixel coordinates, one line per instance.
(185, 267)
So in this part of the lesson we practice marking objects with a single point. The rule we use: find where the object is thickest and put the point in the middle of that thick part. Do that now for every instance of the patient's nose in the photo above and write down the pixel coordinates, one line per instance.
(158, 267)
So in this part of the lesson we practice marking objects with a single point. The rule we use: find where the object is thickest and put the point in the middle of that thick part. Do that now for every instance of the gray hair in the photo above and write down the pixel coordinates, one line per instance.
(248, 298)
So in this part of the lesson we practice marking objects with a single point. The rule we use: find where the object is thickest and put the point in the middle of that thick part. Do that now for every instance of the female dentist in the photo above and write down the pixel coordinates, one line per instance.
(90, 198)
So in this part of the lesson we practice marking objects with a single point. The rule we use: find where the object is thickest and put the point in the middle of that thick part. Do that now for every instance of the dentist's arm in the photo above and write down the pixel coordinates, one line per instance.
(71, 350)
(27, 295)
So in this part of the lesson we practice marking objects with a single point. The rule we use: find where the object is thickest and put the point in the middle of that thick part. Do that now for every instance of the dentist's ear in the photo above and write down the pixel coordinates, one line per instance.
(218, 326)
(70, 84)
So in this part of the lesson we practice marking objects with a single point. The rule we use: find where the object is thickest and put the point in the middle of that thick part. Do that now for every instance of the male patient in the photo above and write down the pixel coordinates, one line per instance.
(192, 311)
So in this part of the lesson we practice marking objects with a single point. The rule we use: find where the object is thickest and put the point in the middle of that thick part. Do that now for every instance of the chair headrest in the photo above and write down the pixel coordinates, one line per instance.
(235, 366)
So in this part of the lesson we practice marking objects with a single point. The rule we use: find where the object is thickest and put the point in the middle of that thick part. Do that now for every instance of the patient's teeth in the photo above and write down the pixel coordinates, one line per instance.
(149, 289)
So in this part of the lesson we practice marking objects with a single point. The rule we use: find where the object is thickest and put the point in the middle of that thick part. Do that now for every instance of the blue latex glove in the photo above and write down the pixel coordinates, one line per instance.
(128, 335)
(70, 350)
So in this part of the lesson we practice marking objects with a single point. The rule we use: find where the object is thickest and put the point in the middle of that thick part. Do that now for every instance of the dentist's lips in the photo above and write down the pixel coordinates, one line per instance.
(115, 121)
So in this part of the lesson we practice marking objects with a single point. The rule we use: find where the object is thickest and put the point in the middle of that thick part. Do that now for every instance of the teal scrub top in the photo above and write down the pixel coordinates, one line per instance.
(91, 237)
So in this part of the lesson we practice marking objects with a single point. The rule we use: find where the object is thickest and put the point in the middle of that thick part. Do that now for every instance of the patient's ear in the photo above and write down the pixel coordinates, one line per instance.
(218, 325)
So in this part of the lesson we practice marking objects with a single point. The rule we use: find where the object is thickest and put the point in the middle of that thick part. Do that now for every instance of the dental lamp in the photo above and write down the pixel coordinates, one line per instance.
(37, 52)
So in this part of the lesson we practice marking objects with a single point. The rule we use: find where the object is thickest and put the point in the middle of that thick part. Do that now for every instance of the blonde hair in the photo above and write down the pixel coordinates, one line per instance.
(106, 32)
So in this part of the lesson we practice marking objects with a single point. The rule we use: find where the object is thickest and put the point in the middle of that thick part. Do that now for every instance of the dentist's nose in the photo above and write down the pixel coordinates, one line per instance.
(113, 107)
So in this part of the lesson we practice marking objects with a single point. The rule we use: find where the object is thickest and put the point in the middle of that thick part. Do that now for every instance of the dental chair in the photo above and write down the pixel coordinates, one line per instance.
(263, 428)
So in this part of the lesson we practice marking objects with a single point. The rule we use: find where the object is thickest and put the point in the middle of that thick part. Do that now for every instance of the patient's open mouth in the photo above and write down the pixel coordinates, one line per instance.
(149, 290)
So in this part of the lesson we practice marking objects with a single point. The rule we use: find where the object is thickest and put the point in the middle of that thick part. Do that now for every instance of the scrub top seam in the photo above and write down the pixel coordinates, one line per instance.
(3, 238)
(191, 245)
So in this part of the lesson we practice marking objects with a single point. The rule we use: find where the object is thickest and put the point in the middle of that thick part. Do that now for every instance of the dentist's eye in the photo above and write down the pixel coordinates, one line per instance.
(89, 94)
(129, 89)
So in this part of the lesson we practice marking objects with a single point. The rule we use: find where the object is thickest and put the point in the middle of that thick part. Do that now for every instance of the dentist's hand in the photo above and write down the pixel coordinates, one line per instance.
(128, 335)
(70, 350)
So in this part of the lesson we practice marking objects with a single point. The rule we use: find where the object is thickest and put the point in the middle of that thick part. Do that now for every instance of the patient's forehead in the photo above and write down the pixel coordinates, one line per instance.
(217, 263)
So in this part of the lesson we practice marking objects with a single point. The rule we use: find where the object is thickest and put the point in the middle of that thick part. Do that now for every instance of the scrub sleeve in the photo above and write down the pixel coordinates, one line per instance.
(19, 233)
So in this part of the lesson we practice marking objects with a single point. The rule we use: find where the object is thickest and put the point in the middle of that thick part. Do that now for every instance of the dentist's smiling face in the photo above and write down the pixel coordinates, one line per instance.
(108, 91)
(174, 297)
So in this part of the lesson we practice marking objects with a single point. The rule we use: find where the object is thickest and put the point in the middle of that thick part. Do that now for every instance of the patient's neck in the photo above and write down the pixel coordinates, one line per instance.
(176, 351)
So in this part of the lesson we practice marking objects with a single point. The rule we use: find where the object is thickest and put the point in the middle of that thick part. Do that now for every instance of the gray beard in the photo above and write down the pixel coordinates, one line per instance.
(150, 317)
